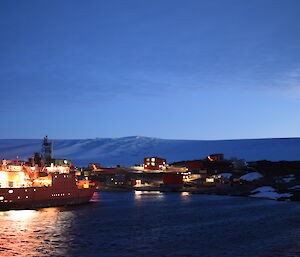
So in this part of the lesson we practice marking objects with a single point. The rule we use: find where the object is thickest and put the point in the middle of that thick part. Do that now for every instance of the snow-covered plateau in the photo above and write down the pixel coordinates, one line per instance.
(132, 150)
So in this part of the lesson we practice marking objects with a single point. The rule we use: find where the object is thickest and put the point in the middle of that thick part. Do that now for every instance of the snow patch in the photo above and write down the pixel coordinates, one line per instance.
(251, 176)
(263, 189)
(226, 175)
(286, 180)
(268, 192)
(295, 187)
(289, 178)
(270, 195)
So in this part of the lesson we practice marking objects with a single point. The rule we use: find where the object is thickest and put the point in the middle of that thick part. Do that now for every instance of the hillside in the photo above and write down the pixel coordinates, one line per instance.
(131, 150)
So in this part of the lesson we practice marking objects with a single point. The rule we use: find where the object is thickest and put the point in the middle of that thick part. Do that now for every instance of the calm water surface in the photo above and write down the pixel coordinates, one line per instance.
(155, 224)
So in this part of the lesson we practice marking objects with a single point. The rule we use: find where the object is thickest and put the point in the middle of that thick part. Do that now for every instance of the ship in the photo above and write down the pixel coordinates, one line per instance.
(41, 182)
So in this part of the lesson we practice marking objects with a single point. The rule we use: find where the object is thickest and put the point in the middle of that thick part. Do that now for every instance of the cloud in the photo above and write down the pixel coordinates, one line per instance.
(289, 83)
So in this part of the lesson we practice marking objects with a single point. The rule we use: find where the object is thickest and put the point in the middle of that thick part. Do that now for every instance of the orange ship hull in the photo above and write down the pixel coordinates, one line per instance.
(63, 191)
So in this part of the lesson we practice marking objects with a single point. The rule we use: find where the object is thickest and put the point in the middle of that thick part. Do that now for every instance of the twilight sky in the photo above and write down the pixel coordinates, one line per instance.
(195, 69)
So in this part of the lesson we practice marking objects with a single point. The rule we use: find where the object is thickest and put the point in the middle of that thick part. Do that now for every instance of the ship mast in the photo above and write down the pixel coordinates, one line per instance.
(47, 149)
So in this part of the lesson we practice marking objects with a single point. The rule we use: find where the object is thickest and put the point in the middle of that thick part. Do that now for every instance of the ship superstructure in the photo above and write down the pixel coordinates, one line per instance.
(41, 182)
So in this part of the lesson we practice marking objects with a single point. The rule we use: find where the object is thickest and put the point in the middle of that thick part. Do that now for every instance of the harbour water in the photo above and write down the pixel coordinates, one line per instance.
(155, 224)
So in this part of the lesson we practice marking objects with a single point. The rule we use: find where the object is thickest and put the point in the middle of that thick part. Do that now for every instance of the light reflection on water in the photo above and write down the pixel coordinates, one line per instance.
(155, 224)
(139, 195)
(34, 232)
(185, 197)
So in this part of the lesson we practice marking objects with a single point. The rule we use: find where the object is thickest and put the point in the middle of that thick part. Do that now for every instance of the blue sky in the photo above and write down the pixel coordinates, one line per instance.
(217, 69)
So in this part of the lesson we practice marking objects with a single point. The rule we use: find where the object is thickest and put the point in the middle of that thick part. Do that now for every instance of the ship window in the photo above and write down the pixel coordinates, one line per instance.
(19, 197)
(34, 189)
(1, 198)
(27, 196)
(10, 191)
(25, 190)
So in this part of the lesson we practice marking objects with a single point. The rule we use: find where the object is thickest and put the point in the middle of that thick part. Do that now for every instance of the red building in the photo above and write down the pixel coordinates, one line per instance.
(172, 179)
(195, 166)
(155, 163)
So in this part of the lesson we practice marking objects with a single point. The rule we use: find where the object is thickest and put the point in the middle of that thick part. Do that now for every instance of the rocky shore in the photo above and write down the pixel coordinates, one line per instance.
(286, 188)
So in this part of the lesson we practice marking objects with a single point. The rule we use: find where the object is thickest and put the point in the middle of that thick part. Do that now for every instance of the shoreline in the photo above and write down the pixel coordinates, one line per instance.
(222, 190)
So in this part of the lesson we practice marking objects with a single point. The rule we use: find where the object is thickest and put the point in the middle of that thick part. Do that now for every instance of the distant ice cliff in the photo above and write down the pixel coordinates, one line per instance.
(132, 150)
